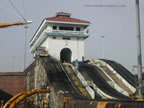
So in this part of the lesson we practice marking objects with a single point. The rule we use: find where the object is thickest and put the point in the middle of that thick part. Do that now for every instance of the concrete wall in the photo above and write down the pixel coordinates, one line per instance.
(55, 46)
(37, 79)
(36, 76)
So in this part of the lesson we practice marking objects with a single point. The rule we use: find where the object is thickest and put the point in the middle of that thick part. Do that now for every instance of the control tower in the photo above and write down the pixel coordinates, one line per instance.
(62, 37)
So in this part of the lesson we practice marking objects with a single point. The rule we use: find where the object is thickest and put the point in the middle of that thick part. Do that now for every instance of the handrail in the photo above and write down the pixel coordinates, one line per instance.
(89, 89)
(116, 86)
(130, 87)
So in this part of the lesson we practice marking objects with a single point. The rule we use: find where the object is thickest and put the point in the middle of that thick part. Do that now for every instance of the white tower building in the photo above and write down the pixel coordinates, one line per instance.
(62, 37)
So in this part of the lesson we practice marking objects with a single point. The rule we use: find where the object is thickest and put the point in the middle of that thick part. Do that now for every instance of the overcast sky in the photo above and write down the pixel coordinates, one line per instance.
(114, 19)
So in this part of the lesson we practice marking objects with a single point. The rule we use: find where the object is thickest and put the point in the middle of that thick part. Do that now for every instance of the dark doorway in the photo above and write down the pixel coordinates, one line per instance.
(65, 55)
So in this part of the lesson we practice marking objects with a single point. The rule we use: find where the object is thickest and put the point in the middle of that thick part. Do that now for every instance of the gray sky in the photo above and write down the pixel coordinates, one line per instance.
(114, 19)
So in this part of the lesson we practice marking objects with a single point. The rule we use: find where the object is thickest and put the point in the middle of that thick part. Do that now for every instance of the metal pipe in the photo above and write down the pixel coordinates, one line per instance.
(139, 57)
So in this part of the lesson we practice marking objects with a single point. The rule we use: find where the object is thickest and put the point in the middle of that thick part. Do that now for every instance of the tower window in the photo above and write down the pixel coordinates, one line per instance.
(66, 28)
(66, 38)
(77, 28)
(54, 27)
(54, 37)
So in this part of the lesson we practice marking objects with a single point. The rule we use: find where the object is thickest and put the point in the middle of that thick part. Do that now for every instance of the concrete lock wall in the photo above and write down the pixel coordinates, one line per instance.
(37, 79)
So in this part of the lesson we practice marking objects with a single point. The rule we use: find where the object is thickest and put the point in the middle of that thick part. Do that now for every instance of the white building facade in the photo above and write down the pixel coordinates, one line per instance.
(62, 37)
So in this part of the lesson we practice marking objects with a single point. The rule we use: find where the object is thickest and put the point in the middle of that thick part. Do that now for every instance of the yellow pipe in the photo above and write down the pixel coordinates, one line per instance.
(102, 104)
(12, 99)
(26, 94)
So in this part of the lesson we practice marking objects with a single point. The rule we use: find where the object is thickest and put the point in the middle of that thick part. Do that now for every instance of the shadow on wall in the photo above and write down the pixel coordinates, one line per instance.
(4, 97)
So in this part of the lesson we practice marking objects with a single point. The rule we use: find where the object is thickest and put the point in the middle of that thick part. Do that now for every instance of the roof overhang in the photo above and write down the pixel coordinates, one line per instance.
(37, 33)
(65, 22)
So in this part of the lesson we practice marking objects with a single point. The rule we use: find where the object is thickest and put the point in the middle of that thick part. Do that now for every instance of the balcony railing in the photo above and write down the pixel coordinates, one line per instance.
(67, 33)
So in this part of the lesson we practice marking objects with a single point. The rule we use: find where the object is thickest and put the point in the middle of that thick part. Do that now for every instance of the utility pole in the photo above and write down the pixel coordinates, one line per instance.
(25, 47)
(139, 57)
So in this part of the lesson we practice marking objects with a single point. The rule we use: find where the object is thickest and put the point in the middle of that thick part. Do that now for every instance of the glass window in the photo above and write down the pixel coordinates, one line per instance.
(54, 37)
(66, 38)
(66, 28)
(54, 27)
(77, 28)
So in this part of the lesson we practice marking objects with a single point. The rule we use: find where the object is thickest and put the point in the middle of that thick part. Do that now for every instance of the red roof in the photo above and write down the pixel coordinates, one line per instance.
(65, 17)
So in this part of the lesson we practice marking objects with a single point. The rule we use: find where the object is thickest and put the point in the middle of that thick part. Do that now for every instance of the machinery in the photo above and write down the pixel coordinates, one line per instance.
(41, 52)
